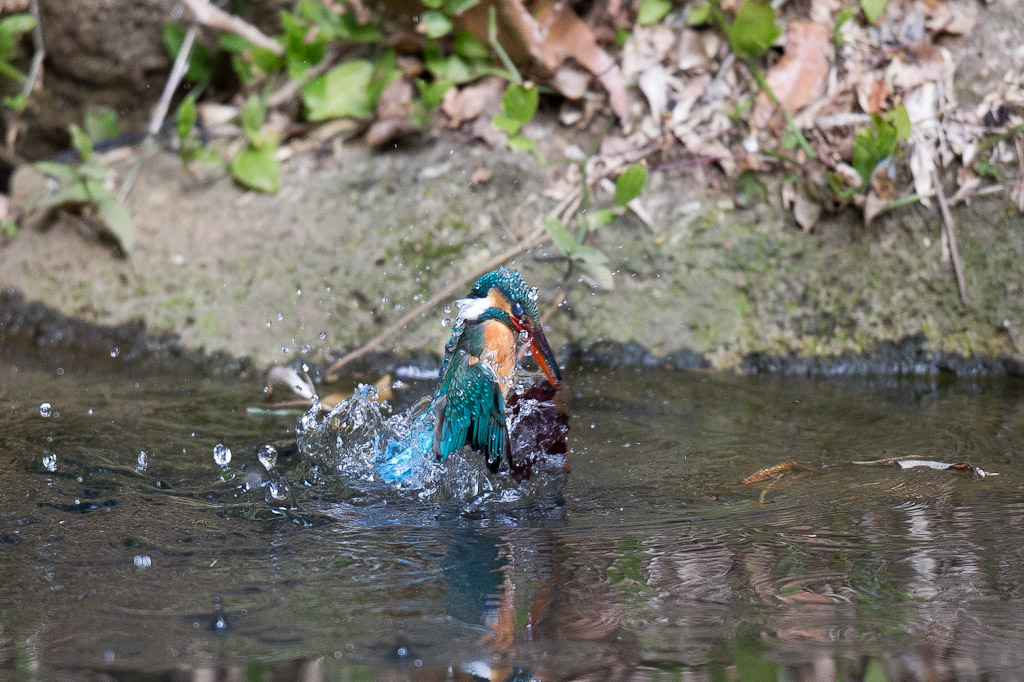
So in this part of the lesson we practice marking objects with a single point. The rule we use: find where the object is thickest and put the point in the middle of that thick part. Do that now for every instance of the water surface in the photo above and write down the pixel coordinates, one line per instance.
(652, 562)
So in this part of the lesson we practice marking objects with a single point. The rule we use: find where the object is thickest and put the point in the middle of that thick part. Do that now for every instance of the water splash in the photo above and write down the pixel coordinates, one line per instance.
(221, 454)
(50, 460)
(359, 439)
(45, 409)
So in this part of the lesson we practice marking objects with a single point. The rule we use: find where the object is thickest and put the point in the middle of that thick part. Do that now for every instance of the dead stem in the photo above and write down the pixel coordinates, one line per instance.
(947, 225)
(535, 238)
(214, 17)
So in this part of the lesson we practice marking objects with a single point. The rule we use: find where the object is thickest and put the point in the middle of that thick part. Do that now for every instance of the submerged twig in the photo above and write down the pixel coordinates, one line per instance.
(160, 113)
(947, 225)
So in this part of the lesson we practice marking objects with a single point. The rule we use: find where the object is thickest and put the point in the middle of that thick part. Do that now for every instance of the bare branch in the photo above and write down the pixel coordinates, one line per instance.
(947, 226)
(214, 17)
(39, 54)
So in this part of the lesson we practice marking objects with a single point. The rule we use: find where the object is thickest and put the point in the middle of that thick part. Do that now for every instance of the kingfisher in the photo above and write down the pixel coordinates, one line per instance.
(477, 373)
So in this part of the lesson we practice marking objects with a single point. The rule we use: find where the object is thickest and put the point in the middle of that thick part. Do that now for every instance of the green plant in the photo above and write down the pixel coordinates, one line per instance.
(873, 144)
(257, 166)
(518, 105)
(11, 30)
(751, 34)
(652, 11)
(591, 259)
(873, 9)
(190, 148)
(87, 185)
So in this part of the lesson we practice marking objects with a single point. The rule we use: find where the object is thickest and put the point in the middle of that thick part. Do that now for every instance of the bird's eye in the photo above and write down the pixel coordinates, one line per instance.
(517, 309)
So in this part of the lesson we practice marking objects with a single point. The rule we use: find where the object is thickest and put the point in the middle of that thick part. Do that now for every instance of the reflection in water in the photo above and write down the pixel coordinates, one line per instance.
(653, 564)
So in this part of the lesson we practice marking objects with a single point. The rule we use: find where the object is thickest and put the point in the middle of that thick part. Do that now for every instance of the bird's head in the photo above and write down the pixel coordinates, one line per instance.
(502, 295)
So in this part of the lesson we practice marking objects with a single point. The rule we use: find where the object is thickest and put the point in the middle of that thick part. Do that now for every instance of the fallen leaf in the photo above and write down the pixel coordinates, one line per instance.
(800, 76)
(806, 211)
(481, 176)
(920, 64)
(395, 100)
(482, 98)
(389, 130)
(653, 83)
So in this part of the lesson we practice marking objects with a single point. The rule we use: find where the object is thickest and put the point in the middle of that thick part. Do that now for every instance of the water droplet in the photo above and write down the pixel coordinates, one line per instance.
(221, 454)
(89, 411)
(275, 491)
(50, 461)
(524, 335)
(280, 317)
(534, 294)
(60, 371)
(447, 310)
(298, 292)
(268, 457)
(445, 321)
(108, 656)
(143, 460)
(269, 323)
(142, 561)
(115, 351)
(323, 335)
(45, 409)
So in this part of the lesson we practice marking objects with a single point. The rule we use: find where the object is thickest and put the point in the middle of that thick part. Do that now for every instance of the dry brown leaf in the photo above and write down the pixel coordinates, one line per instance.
(393, 109)
(920, 64)
(549, 34)
(481, 176)
(800, 76)
(806, 211)
(482, 97)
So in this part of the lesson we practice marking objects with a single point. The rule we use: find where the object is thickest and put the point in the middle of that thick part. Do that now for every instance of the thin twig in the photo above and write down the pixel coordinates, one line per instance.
(160, 113)
(40, 51)
(533, 239)
(214, 17)
(947, 225)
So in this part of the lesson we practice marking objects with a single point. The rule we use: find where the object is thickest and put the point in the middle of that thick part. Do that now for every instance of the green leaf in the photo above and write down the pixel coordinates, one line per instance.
(590, 255)
(873, 144)
(467, 46)
(630, 184)
(9, 228)
(699, 15)
(433, 4)
(900, 120)
(351, 30)
(339, 92)
(621, 36)
(433, 93)
(200, 63)
(97, 172)
(186, 117)
(11, 72)
(60, 171)
(70, 194)
(17, 23)
(17, 103)
(520, 102)
(436, 24)
(101, 124)
(753, 30)
(257, 167)
(520, 143)
(600, 218)
(601, 274)
(119, 221)
(253, 114)
(456, 7)
(844, 16)
(503, 122)
(81, 142)
(300, 50)
(384, 72)
(873, 9)
(652, 11)
(560, 236)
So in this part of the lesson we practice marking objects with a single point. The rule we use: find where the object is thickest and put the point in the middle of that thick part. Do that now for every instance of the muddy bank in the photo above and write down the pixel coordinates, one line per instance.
(346, 248)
